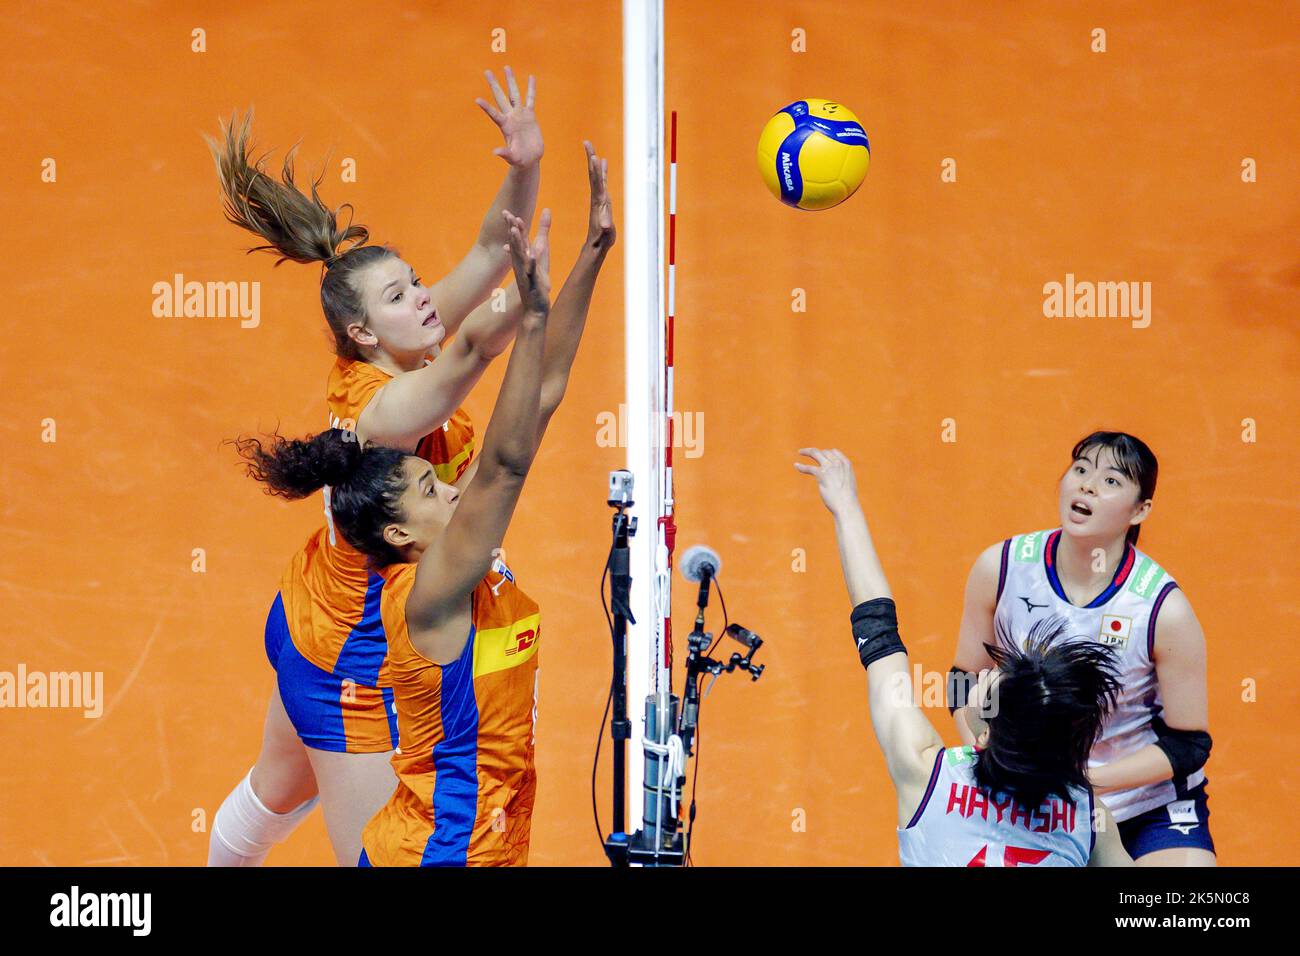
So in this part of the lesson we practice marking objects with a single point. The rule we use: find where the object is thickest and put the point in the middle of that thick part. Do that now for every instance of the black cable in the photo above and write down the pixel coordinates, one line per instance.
(595, 812)
(726, 621)
(695, 786)
(609, 698)
(695, 780)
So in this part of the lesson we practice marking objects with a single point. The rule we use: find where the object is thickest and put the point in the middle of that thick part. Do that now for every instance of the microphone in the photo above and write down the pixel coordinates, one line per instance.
(701, 563)
(697, 559)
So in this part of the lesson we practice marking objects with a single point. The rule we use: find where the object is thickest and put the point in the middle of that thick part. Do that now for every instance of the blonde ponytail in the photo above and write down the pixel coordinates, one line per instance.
(294, 225)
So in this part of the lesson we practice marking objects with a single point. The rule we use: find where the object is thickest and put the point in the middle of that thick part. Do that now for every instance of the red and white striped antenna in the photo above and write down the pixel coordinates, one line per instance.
(667, 524)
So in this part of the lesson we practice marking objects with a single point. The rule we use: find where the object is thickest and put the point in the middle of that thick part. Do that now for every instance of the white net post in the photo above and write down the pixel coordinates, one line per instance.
(643, 252)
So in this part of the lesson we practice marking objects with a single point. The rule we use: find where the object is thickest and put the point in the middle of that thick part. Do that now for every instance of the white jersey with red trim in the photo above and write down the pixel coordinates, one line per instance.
(959, 824)
(1122, 617)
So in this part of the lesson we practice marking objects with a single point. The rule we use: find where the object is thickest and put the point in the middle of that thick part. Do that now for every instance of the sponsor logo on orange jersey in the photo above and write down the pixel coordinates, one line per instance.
(523, 641)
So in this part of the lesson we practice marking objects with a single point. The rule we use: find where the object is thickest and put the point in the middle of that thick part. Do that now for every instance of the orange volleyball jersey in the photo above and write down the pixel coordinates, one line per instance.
(349, 390)
(331, 598)
(464, 762)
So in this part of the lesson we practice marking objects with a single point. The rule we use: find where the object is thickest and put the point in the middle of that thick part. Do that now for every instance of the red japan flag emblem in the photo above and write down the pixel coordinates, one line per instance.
(1115, 630)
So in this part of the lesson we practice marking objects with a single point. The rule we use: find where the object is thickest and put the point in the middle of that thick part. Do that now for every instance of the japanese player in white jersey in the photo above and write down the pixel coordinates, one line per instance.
(1148, 766)
(1020, 795)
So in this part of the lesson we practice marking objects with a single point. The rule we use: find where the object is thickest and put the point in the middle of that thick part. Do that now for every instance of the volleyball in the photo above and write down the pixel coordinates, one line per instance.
(813, 154)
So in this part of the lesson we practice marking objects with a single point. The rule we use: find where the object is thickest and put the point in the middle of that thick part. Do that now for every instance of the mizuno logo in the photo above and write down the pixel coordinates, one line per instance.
(1030, 605)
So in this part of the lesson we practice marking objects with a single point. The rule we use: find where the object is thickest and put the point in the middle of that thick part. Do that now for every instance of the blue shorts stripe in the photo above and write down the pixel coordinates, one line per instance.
(310, 695)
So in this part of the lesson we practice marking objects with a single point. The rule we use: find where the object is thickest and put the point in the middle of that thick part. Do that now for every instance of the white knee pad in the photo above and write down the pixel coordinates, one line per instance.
(244, 830)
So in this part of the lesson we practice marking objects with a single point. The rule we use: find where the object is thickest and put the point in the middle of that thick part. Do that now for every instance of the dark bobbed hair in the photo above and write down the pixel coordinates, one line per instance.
(296, 226)
(366, 483)
(1052, 699)
(1133, 458)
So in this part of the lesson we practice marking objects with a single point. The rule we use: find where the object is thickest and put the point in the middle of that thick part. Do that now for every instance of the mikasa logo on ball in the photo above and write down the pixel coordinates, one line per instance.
(785, 170)
(1115, 630)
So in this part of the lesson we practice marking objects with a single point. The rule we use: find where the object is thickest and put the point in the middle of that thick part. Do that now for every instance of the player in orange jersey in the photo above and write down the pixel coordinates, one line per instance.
(463, 639)
(387, 325)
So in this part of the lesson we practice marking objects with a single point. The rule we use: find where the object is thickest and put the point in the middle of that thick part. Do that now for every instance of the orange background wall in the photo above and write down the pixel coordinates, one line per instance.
(924, 302)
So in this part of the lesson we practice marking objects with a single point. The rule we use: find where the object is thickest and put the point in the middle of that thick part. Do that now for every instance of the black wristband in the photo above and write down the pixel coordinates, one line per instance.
(875, 629)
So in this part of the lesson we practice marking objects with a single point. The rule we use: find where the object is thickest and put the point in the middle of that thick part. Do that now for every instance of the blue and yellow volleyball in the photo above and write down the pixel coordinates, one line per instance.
(813, 154)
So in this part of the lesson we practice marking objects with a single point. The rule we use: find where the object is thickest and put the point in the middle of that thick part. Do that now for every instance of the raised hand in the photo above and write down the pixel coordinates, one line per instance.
(601, 233)
(541, 246)
(834, 474)
(531, 263)
(514, 115)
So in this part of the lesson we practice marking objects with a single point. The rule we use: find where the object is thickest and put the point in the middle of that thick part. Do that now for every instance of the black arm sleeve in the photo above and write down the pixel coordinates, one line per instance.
(875, 629)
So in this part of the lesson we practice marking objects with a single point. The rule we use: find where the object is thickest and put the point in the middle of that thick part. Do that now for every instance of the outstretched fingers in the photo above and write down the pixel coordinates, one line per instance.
(514, 87)
(503, 101)
(521, 256)
(597, 169)
(541, 243)
(495, 115)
